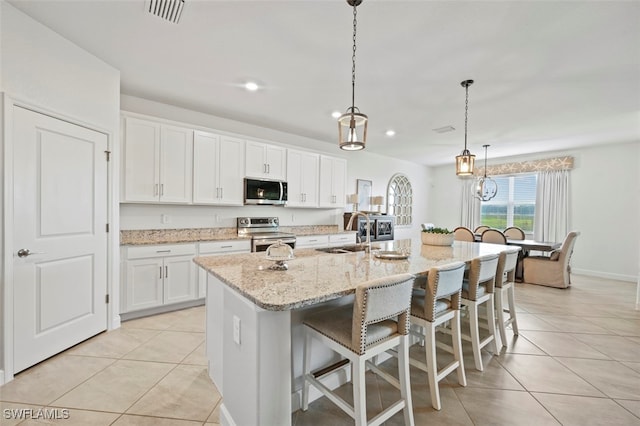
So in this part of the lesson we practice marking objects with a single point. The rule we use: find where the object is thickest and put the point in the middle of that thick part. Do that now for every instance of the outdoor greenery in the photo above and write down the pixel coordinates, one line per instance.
(495, 216)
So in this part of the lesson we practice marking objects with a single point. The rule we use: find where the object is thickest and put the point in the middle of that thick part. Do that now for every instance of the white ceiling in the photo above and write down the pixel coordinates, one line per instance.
(549, 75)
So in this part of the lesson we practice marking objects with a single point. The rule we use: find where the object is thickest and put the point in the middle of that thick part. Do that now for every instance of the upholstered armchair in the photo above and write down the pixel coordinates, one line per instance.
(552, 271)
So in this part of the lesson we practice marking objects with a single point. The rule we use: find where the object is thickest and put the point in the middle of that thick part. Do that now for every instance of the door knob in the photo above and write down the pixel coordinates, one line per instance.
(27, 252)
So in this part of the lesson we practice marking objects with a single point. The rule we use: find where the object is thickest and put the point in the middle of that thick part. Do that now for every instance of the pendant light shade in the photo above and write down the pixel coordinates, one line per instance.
(487, 188)
(352, 125)
(465, 161)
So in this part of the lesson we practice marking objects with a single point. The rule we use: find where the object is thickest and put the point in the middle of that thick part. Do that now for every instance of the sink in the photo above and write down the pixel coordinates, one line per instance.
(346, 249)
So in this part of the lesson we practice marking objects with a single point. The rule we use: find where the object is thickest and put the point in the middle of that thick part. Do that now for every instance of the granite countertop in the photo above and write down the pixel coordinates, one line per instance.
(314, 276)
(193, 235)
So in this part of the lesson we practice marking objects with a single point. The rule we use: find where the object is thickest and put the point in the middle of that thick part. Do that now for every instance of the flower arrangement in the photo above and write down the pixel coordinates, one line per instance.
(437, 236)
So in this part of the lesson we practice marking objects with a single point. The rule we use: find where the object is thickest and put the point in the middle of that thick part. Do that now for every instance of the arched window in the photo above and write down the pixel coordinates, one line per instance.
(400, 199)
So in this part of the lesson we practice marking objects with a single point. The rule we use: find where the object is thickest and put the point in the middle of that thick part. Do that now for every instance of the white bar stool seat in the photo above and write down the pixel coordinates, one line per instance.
(359, 332)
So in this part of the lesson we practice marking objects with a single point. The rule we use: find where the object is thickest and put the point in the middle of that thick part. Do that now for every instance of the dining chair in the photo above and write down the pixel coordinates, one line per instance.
(514, 233)
(431, 307)
(477, 290)
(493, 236)
(552, 271)
(462, 233)
(480, 229)
(377, 321)
(505, 282)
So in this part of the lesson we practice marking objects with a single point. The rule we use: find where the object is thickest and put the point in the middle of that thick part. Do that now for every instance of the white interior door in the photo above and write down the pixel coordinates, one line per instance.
(60, 240)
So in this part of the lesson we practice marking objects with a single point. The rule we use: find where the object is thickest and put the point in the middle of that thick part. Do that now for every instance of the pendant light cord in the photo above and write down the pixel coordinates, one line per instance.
(466, 111)
(353, 61)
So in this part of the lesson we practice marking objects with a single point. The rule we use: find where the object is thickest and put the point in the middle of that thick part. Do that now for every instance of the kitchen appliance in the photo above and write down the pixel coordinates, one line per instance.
(263, 231)
(381, 226)
(265, 191)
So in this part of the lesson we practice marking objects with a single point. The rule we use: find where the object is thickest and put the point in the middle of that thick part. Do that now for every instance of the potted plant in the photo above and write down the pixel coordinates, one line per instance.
(437, 237)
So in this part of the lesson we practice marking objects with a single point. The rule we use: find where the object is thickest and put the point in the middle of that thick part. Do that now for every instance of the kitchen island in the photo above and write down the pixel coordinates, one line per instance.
(254, 318)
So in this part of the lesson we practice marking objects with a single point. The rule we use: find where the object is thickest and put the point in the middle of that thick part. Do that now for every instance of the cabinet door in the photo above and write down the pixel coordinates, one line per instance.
(276, 159)
(333, 174)
(302, 178)
(255, 160)
(176, 164)
(231, 171)
(205, 169)
(295, 196)
(179, 279)
(141, 177)
(144, 284)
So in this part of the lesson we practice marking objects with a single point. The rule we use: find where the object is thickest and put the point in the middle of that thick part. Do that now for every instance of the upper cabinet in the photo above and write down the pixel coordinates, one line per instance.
(157, 160)
(333, 181)
(302, 178)
(218, 169)
(264, 161)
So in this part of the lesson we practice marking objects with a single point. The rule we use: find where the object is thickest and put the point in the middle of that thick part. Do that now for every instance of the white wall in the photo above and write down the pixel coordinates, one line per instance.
(360, 165)
(46, 72)
(605, 207)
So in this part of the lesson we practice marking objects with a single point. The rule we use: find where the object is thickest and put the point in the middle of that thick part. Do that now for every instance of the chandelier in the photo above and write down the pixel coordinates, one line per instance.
(464, 161)
(487, 188)
(353, 122)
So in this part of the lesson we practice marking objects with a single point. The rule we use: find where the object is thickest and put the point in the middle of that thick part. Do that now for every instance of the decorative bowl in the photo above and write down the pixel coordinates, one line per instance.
(433, 239)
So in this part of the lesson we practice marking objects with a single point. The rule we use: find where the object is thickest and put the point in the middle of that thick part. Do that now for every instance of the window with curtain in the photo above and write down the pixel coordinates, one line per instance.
(514, 205)
(400, 199)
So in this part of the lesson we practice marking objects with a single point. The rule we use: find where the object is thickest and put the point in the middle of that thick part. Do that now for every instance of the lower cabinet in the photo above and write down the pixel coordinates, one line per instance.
(312, 241)
(158, 275)
(216, 248)
(342, 239)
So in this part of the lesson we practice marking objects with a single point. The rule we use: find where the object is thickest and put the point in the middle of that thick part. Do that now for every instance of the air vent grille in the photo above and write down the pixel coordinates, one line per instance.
(444, 129)
(171, 10)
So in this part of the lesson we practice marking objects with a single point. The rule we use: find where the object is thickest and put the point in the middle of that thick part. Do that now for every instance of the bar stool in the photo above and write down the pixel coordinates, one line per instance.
(505, 281)
(478, 290)
(431, 308)
(359, 332)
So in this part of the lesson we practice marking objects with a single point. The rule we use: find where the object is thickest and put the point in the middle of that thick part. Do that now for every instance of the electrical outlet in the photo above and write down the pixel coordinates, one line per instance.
(293, 218)
(217, 218)
(236, 329)
(165, 218)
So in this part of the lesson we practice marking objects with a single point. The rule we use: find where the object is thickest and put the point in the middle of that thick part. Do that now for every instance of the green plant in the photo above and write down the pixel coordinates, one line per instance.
(437, 231)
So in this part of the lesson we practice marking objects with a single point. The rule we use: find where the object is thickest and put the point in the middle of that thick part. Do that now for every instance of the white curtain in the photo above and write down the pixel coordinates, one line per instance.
(470, 216)
(551, 221)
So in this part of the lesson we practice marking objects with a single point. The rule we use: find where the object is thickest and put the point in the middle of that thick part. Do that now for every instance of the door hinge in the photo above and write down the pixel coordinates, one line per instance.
(107, 226)
(108, 154)
(106, 298)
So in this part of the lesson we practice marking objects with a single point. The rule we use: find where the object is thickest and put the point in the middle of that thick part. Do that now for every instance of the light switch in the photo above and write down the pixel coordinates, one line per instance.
(236, 329)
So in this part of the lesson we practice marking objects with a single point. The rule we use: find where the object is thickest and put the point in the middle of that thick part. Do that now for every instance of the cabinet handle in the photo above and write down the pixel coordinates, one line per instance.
(268, 168)
(166, 272)
(226, 246)
(264, 167)
(221, 192)
(155, 190)
(217, 192)
(161, 189)
(161, 272)
(163, 251)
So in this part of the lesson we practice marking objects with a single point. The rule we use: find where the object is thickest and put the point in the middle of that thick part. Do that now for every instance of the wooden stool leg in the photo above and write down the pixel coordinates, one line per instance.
(475, 335)
(500, 311)
(359, 391)
(403, 374)
(512, 309)
(457, 348)
(432, 367)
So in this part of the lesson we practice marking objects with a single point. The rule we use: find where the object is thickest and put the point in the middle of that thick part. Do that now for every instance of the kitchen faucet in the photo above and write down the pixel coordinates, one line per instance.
(366, 216)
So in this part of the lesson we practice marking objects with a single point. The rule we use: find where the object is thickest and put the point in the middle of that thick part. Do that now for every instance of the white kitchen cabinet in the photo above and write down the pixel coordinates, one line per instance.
(265, 161)
(218, 169)
(216, 248)
(302, 178)
(312, 241)
(333, 181)
(158, 162)
(342, 239)
(158, 275)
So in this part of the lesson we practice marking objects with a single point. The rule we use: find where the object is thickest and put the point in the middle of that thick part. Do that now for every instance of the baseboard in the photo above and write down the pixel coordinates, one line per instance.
(161, 309)
(606, 275)
(225, 417)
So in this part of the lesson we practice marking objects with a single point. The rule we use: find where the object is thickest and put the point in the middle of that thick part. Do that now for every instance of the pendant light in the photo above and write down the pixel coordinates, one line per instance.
(487, 188)
(352, 125)
(464, 161)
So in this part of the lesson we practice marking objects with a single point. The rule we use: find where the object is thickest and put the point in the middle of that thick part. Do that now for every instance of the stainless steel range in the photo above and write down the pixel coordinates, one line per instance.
(263, 231)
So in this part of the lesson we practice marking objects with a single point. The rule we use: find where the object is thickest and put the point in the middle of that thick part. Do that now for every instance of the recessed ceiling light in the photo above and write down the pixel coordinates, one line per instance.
(251, 86)
(336, 114)
(390, 132)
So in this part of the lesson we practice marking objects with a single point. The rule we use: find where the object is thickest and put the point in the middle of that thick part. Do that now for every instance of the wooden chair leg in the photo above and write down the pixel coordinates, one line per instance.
(491, 318)
(359, 392)
(512, 309)
(403, 374)
(457, 348)
(432, 367)
(475, 335)
(500, 311)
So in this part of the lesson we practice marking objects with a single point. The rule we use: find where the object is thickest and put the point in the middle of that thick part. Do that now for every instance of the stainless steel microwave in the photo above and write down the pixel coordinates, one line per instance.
(264, 191)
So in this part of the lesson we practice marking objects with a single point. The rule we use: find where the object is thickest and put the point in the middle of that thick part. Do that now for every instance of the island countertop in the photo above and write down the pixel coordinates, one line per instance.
(314, 277)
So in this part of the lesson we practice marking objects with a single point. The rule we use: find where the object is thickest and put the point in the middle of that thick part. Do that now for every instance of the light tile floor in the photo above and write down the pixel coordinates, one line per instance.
(576, 362)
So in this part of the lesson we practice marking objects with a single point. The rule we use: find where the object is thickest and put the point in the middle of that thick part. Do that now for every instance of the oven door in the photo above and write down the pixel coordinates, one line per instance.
(263, 243)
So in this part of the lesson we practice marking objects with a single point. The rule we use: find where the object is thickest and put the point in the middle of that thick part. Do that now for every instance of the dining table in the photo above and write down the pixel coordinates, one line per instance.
(526, 246)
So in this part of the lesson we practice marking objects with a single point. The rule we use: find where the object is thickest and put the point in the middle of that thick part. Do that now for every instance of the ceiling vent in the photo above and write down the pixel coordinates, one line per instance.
(171, 10)
(444, 129)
